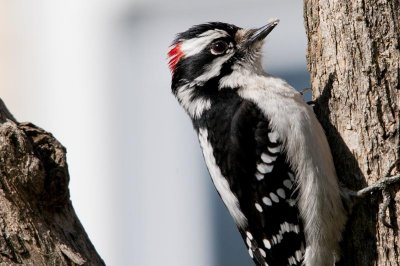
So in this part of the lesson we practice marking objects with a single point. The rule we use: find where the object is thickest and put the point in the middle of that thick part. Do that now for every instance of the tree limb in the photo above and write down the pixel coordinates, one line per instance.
(38, 225)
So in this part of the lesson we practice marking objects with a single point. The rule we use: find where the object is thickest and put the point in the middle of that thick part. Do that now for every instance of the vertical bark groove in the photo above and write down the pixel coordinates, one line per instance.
(354, 59)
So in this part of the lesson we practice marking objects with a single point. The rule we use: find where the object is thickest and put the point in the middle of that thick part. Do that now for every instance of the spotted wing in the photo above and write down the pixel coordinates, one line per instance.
(255, 165)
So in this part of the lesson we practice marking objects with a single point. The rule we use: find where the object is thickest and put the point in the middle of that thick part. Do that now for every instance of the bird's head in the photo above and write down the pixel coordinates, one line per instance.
(201, 56)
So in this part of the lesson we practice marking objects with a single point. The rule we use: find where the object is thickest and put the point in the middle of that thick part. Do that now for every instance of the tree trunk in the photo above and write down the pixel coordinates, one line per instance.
(38, 225)
(353, 58)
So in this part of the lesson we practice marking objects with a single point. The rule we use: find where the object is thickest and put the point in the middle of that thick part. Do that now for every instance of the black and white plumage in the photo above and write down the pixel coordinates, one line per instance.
(264, 148)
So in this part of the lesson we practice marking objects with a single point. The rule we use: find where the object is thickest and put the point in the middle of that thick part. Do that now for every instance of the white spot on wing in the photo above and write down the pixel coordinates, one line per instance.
(274, 197)
(267, 244)
(296, 228)
(262, 252)
(274, 149)
(279, 238)
(264, 168)
(249, 235)
(258, 207)
(291, 202)
(250, 253)
(248, 242)
(273, 136)
(281, 193)
(299, 255)
(284, 228)
(292, 261)
(287, 183)
(259, 176)
(220, 182)
(268, 158)
(287, 227)
(267, 201)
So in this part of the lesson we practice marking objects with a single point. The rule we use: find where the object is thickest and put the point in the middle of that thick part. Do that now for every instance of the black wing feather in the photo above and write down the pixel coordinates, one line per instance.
(239, 133)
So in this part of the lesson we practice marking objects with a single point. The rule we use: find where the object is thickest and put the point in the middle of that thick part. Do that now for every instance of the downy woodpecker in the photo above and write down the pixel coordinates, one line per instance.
(266, 152)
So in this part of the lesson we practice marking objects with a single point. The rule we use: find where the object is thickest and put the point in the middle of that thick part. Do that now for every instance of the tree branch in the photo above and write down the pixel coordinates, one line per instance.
(38, 225)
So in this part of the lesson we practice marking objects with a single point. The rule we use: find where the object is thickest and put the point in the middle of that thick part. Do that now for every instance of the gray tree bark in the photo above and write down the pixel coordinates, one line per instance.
(38, 225)
(353, 57)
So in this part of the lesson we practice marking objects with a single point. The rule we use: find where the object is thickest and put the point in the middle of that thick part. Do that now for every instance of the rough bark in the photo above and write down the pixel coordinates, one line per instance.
(353, 57)
(38, 225)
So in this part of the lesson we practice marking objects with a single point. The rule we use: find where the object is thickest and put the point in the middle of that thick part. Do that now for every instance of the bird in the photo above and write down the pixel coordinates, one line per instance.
(264, 148)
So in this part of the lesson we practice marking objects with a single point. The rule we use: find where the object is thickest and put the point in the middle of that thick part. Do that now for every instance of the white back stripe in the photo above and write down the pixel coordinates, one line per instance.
(220, 182)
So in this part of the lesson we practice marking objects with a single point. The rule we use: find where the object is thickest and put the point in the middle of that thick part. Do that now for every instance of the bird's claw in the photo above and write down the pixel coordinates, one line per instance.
(387, 199)
(383, 185)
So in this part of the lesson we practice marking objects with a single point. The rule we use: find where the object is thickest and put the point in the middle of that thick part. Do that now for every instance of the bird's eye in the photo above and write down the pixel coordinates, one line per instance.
(219, 47)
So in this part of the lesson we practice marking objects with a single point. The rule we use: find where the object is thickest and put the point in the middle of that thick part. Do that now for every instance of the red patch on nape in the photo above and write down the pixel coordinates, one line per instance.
(175, 54)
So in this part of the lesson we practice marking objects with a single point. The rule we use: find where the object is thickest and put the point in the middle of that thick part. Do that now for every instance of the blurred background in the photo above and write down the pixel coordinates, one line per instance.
(94, 73)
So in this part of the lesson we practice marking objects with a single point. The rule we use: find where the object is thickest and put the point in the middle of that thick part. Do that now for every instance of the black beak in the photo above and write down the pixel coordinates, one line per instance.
(260, 33)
